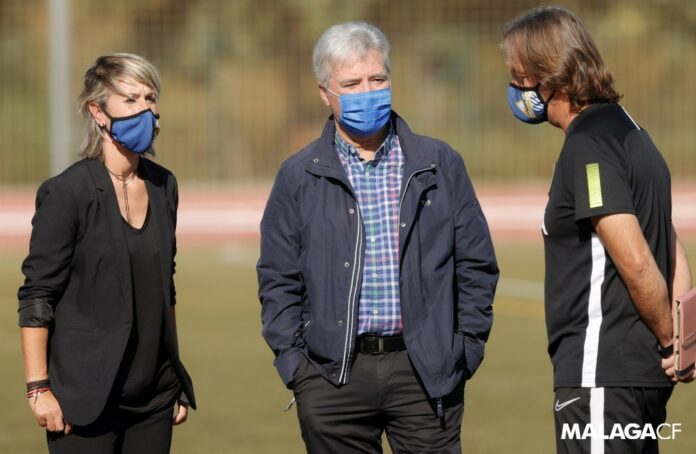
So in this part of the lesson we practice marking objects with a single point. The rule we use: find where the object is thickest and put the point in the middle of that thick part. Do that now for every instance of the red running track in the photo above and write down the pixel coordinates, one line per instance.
(230, 215)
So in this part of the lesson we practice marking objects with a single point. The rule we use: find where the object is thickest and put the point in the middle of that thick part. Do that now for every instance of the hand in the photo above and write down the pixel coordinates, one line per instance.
(668, 367)
(48, 414)
(182, 414)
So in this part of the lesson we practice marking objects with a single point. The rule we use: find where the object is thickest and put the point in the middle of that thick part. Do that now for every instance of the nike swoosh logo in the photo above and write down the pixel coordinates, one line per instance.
(560, 406)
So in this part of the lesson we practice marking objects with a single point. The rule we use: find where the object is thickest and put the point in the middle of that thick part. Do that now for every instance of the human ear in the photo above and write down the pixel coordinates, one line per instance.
(322, 93)
(98, 115)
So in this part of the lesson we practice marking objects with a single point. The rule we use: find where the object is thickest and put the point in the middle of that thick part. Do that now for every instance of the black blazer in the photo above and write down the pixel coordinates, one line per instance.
(78, 281)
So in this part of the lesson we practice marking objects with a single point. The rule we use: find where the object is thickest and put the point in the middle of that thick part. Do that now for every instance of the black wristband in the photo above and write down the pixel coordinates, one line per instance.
(32, 385)
(666, 352)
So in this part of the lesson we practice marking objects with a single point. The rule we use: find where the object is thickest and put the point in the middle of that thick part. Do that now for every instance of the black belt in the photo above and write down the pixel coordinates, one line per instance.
(375, 345)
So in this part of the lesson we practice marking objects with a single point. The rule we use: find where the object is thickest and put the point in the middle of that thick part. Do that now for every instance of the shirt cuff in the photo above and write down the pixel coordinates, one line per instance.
(34, 312)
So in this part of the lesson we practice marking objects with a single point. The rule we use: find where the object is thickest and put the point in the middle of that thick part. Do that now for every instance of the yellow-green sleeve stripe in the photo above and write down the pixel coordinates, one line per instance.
(594, 185)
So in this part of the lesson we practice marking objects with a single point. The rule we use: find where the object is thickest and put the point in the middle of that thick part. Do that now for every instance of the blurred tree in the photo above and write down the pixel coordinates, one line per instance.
(239, 93)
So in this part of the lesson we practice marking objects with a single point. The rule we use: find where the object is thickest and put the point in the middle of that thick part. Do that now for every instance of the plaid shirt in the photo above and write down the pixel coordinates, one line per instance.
(377, 185)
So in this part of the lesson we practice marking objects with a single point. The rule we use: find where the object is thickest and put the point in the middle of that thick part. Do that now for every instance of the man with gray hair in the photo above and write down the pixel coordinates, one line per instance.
(377, 271)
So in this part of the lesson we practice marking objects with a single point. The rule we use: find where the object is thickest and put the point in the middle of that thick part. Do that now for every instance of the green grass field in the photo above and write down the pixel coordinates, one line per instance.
(241, 399)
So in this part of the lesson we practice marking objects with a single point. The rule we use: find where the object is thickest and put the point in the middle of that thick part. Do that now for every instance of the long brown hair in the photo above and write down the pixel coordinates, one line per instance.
(553, 46)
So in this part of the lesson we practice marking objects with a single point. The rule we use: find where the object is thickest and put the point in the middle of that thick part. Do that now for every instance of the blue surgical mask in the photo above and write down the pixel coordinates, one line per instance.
(136, 132)
(527, 104)
(364, 114)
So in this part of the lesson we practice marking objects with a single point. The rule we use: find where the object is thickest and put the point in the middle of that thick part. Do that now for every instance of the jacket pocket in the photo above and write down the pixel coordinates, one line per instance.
(299, 374)
(459, 350)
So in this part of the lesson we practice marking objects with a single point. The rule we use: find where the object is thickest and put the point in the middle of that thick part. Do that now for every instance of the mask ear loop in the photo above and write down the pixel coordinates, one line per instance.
(541, 97)
(339, 117)
(331, 91)
(546, 103)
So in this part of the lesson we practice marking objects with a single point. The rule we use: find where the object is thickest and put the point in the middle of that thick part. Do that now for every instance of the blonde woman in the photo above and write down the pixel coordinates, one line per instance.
(96, 310)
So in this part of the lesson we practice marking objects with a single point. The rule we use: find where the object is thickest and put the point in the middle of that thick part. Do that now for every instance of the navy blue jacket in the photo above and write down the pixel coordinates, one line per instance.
(311, 264)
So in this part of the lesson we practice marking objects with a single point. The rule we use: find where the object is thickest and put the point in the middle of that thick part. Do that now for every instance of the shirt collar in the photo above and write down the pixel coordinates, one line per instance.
(383, 151)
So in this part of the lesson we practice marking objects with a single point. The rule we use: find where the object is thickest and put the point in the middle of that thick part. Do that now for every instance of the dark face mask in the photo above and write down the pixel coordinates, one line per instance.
(527, 104)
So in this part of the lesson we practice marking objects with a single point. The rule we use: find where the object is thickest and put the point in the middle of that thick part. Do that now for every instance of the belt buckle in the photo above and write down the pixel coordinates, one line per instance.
(381, 345)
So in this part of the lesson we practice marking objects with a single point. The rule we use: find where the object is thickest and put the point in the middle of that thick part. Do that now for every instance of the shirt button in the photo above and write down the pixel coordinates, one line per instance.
(375, 312)
(373, 239)
(351, 211)
(347, 264)
(374, 274)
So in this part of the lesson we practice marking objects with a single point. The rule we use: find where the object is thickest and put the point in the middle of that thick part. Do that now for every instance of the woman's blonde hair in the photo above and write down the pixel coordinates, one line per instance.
(553, 46)
(100, 81)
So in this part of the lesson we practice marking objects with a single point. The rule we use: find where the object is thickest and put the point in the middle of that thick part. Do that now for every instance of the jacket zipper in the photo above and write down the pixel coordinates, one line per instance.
(352, 297)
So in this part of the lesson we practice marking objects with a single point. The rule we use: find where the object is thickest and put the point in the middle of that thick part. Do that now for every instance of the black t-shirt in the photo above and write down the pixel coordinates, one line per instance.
(148, 380)
(608, 165)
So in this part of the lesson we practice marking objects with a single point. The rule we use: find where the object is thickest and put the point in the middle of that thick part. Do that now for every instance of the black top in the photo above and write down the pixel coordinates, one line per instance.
(148, 381)
(608, 165)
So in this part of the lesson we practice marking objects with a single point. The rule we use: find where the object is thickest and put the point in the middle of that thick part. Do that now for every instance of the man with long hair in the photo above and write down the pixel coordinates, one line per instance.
(613, 261)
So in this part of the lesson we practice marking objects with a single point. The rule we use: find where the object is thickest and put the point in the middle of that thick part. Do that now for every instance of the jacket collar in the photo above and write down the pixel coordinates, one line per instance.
(416, 155)
(158, 212)
(107, 199)
(325, 160)
(99, 174)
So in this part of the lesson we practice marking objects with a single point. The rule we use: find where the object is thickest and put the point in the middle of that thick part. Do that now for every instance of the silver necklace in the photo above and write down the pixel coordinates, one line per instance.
(125, 180)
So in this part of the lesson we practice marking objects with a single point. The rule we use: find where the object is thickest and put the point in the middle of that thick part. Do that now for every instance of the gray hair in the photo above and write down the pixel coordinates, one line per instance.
(343, 41)
(100, 81)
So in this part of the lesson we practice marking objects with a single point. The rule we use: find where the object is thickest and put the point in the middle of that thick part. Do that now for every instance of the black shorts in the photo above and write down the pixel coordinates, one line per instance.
(611, 420)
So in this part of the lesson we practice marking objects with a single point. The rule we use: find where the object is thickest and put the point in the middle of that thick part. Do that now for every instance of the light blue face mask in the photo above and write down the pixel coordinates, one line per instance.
(527, 104)
(364, 114)
(136, 132)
